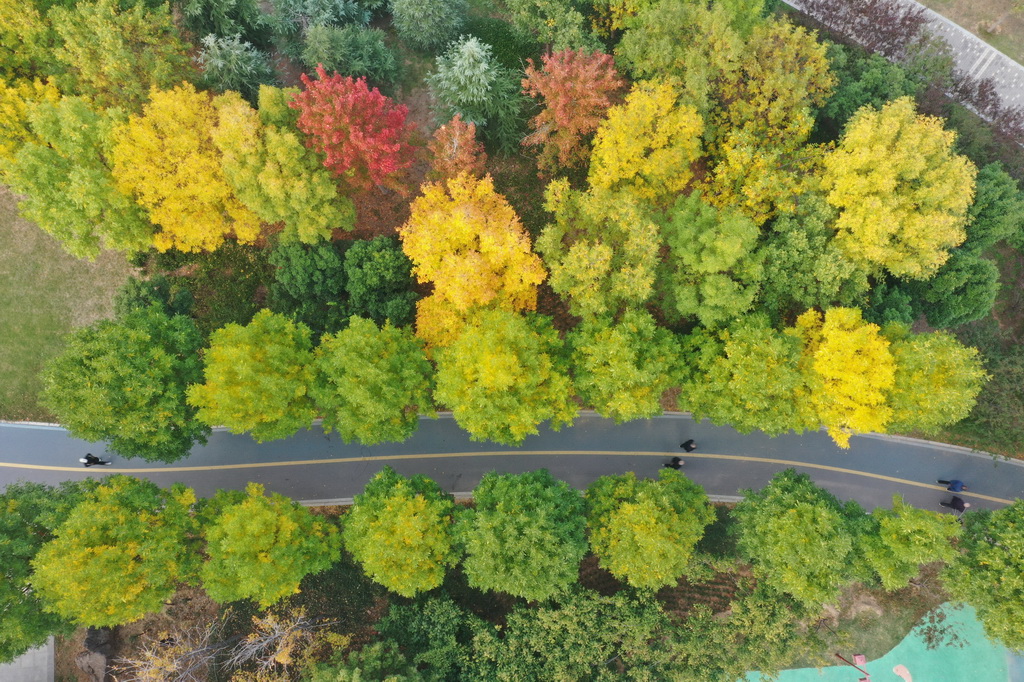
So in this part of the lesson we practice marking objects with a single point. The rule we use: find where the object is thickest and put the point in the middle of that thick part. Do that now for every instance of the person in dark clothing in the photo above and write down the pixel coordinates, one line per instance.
(676, 463)
(689, 445)
(92, 460)
(953, 486)
(956, 504)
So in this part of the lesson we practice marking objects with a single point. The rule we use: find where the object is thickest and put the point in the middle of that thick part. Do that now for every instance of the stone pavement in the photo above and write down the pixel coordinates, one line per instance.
(973, 56)
(34, 666)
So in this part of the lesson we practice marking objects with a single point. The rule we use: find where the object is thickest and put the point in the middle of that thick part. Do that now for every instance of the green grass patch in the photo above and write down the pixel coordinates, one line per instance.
(46, 293)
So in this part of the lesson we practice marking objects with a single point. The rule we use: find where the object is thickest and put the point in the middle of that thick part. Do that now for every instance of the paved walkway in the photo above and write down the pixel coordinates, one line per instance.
(974, 57)
(34, 666)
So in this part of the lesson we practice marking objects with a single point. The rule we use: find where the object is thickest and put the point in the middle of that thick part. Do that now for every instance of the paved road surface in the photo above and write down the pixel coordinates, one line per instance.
(315, 466)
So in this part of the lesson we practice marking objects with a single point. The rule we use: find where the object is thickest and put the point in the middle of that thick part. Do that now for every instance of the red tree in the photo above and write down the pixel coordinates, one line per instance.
(454, 149)
(577, 88)
(362, 133)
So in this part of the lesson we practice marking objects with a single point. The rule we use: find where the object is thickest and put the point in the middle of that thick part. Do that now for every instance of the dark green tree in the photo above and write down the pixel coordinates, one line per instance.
(428, 24)
(963, 290)
(351, 50)
(434, 632)
(378, 661)
(379, 281)
(138, 293)
(525, 536)
(124, 381)
(309, 285)
(997, 212)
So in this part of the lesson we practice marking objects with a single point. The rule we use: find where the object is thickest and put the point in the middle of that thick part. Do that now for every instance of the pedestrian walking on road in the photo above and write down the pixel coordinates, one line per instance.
(953, 486)
(689, 445)
(956, 504)
(676, 463)
(92, 460)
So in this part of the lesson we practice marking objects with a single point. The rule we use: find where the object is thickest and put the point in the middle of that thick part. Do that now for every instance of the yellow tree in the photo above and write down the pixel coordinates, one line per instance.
(849, 371)
(166, 158)
(902, 192)
(647, 143)
(465, 239)
(17, 99)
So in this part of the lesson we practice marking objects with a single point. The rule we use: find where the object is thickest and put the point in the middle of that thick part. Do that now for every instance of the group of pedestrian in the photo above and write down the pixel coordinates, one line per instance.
(91, 460)
(677, 462)
(957, 504)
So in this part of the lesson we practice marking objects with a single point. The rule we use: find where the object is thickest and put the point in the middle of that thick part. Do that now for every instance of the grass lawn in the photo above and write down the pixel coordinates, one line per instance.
(44, 293)
(994, 21)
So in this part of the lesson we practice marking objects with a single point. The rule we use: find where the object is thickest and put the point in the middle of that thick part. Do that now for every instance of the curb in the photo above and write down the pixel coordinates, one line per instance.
(347, 501)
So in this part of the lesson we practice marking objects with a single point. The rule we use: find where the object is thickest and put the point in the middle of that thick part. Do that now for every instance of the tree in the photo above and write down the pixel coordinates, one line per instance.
(230, 63)
(377, 661)
(26, 42)
(524, 536)
(434, 632)
(903, 538)
(798, 537)
(261, 548)
(379, 281)
(862, 80)
(803, 267)
(119, 554)
(124, 382)
(257, 378)
(400, 530)
(226, 18)
(903, 210)
(309, 285)
(167, 159)
(601, 249)
(963, 290)
(351, 50)
(31, 512)
(275, 176)
(711, 272)
(584, 636)
(576, 89)
(65, 173)
(623, 368)
(988, 573)
(647, 143)
(454, 149)
(997, 212)
(115, 54)
(467, 241)
(748, 376)
(644, 532)
(361, 133)
(17, 99)
(428, 24)
(937, 380)
(561, 25)
(372, 383)
(849, 370)
(467, 81)
(504, 375)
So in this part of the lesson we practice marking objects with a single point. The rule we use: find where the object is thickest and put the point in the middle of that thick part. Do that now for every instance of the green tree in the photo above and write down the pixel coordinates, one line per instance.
(400, 530)
(372, 382)
(937, 380)
(904, 538)
(434, 632)
(504, 375)
(124, 381)
(159, 290)
(352, 50)
(378, 661)
(748, 376)
(115, 54)
(584, 636)
(379, 281)
(622, 369)
(428, 24)
(997, 212)
(644, 532)
(560, 25)
(525, 535)
(862, 80)
(798, 537)
(988, 573)
(711, 272)
(261, 548)
(65, 175)
(29, 514)
(275, 176)
(257, 378)
(309, 284)
(468, 81)
(602, 250)
(119, 554)
(902, 192)
(226, 18)
(230, 63)
(963, 290)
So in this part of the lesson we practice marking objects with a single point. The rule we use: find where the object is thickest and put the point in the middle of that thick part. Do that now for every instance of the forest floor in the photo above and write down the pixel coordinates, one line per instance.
(994, 21)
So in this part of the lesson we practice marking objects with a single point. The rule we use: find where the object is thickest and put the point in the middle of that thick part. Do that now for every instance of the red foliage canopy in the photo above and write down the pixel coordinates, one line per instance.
(362, 134)
(454, 149)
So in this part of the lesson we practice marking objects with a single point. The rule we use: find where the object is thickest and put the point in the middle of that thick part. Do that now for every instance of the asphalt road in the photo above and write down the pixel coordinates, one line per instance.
(314, 466)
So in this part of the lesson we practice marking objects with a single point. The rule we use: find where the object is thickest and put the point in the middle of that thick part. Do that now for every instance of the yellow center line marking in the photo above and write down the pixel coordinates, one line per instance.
(507, 453)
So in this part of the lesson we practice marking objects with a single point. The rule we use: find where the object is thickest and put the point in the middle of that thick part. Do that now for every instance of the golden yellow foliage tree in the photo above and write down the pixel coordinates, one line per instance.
(166, 158)
(902, 191)
(849, 371)
(647, 143)
(16, 101)
(465, 239)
